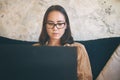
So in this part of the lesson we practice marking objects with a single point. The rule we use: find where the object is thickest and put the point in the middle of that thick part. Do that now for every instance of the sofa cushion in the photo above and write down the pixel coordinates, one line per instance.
(111, 71)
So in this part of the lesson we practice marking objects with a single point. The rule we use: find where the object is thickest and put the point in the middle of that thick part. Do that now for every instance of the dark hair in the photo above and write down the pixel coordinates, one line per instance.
(66, 38)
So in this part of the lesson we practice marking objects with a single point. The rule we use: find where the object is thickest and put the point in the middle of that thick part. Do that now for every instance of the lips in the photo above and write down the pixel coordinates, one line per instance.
(55, 34)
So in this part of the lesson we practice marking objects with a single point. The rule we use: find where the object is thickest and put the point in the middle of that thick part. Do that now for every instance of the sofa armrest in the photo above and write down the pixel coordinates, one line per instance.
(111, 71)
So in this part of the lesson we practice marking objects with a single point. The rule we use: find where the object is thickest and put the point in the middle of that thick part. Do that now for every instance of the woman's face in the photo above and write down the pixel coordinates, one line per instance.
(56, 25)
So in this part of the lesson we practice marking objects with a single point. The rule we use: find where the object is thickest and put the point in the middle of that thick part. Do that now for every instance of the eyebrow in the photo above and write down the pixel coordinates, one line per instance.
(57, 21)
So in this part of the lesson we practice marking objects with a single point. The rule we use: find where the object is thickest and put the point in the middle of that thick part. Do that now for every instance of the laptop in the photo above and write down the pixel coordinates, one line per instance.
(26, 62)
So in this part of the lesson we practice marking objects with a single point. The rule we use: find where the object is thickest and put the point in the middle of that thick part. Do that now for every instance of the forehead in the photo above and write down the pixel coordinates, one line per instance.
(55, 16)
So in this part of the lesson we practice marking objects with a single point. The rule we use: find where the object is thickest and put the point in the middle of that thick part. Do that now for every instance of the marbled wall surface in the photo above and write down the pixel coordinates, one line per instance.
(90, 19)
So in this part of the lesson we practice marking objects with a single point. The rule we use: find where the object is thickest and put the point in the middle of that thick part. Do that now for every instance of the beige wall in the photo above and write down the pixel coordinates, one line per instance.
(90, 19)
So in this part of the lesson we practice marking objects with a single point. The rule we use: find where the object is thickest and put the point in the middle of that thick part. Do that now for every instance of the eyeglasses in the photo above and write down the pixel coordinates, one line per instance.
(59, 25)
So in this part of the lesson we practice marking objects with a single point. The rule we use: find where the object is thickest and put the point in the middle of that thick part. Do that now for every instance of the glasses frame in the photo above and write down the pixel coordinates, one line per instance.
(55, 25)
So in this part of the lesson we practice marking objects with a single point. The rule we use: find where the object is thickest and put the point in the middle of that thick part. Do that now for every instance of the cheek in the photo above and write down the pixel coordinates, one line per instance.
(63, 31)
(48, 32)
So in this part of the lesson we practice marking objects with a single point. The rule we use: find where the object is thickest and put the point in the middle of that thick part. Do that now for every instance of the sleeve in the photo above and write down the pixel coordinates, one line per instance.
(83, 65)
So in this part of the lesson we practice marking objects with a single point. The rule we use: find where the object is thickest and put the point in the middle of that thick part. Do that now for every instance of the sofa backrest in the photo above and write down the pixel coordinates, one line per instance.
(4, 40)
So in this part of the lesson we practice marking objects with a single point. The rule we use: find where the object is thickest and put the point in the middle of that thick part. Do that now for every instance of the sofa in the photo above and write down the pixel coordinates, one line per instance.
(99, 51)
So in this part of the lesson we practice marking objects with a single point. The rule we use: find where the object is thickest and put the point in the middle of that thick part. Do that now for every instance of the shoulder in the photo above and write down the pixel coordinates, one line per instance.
(75, 44)
(78, 44)
(36, 44)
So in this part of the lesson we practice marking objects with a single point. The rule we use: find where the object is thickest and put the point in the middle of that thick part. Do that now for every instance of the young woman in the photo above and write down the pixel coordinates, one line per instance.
(56, 32)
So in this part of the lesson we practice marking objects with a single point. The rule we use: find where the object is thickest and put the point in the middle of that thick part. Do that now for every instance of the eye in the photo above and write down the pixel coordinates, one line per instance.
(51, 24)
(60, 24)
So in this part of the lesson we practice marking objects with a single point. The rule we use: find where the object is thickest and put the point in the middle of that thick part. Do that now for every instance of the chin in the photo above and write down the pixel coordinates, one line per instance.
(56, 38)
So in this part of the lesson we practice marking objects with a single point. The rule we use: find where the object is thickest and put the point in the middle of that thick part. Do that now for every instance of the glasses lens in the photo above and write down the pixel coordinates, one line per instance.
(60, 25)
(50, 25)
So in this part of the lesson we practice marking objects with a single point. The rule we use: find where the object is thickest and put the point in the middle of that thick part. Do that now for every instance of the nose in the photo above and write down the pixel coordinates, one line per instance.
(55, 27)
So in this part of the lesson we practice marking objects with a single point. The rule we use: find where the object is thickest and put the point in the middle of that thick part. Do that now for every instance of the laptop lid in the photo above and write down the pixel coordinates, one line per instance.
(25, 62)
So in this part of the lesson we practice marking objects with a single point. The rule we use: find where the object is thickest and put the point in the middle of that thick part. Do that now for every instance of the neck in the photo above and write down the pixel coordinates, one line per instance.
(54, 43)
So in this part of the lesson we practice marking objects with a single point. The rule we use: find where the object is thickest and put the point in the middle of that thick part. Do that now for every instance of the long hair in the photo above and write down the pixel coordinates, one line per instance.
(67, 37)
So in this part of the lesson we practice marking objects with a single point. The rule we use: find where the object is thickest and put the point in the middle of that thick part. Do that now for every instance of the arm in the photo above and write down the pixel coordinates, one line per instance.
(83, 66)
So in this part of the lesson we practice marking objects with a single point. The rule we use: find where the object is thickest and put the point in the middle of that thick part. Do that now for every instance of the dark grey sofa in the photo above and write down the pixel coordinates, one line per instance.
(99, 50)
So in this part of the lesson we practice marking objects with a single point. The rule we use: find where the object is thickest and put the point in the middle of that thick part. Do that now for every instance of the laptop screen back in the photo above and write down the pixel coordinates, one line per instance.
(25, 62)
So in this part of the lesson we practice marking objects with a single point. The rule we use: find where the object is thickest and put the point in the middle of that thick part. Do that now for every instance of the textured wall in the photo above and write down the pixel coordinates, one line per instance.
(90, 19)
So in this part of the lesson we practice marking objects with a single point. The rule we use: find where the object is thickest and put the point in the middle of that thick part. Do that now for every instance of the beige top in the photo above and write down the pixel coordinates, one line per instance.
(83, 64)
